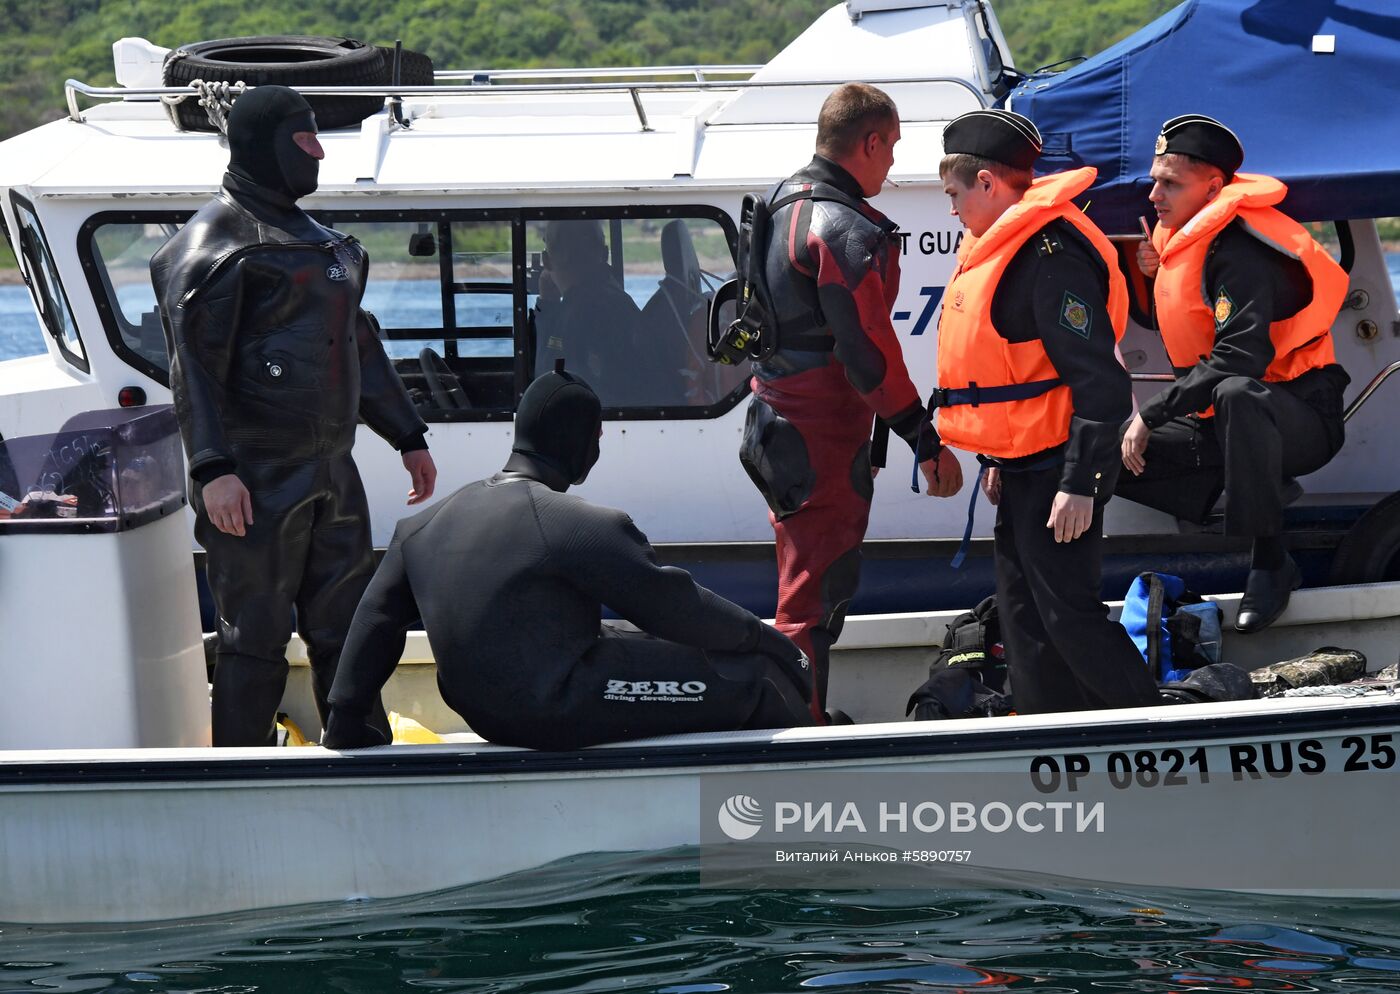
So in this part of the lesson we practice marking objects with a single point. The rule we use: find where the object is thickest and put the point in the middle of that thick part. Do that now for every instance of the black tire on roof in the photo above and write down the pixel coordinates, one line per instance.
(1370, 551)
(291, 60)
(415, 68)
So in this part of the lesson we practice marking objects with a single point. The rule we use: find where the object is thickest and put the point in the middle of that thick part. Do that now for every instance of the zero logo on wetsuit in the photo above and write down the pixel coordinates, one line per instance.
(654, 690)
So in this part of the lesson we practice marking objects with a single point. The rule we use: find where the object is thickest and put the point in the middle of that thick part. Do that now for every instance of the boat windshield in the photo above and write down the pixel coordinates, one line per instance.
(109, 470)
(473, 304)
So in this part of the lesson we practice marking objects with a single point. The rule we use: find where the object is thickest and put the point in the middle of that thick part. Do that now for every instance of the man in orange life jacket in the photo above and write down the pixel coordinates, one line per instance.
(832, 267)
(1028, 378)
(1245, 300)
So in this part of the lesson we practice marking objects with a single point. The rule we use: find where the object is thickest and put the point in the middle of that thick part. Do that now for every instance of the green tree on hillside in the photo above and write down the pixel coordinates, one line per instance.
(41, 44)
(1042, 32)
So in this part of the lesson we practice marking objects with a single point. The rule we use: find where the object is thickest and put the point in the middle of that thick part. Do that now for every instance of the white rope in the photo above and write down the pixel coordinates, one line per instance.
(1338, 690)
(216, 99)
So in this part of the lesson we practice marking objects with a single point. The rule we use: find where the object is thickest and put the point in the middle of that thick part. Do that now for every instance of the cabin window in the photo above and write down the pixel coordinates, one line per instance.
(473, 304)
(443, 293)
(123, 254)
(41, 276)
(624, 302)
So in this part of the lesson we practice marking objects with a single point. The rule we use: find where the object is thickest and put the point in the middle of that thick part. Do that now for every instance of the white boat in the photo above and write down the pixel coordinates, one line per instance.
(113, 809)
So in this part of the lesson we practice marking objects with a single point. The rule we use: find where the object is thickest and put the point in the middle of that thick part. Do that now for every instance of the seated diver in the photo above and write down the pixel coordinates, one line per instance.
(509, 575)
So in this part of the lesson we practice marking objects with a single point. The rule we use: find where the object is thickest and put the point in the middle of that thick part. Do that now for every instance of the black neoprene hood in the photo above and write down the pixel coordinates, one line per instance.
(558, 423)
(261, 149)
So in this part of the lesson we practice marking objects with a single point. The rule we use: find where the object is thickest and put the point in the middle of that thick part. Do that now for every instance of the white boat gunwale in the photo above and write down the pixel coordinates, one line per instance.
(1206, 724)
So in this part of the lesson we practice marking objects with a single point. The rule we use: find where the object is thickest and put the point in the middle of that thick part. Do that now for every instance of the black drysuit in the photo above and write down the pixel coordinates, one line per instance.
(272, 363)
(509, 575)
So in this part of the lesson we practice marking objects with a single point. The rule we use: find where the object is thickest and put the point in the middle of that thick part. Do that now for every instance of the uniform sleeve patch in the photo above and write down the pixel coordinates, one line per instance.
(1075, 315)
(1224, 309)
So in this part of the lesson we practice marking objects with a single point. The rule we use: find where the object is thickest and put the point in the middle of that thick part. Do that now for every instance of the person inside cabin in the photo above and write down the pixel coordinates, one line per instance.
(832, 267)
(272, 363)
(1244, 300)
(1028, 378)
(585, 317)
(509, 575)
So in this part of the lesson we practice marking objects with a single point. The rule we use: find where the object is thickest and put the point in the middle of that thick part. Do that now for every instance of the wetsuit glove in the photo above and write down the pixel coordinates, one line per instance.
(348, 730)
(784, 651)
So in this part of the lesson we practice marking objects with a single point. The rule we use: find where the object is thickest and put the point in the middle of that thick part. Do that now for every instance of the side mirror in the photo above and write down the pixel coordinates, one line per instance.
(422, 245)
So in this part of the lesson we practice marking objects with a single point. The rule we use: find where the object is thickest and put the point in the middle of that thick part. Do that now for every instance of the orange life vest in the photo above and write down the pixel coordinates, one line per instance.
(1188, 318)
(973, 357)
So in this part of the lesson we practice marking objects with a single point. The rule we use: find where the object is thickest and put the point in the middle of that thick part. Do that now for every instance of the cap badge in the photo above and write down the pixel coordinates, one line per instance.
(1161, 147)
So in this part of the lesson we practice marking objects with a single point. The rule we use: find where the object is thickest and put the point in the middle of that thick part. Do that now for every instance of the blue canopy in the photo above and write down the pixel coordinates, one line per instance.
(1327, 124)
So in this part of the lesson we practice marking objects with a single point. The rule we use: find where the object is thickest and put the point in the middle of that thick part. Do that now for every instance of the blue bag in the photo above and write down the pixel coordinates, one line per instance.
(1175, 629)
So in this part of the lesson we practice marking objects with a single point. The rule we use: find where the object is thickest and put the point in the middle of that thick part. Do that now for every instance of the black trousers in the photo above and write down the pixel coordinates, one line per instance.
(309, 547)
(1262, 434)
(631, 685)
(1063, 653)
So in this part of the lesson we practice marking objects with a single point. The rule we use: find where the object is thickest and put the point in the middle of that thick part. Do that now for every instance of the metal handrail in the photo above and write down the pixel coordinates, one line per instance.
(72, 88)
(1371, 388)
(1352, 408)
(616, 72)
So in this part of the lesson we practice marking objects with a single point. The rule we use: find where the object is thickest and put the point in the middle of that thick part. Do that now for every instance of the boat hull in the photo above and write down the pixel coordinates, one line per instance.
(167, 834)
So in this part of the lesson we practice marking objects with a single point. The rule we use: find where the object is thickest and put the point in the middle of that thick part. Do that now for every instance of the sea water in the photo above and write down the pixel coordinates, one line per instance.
(643, 923)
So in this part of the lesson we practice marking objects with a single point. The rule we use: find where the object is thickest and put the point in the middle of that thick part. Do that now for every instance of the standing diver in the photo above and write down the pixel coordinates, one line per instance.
(272, 362)
(832, 267)
(509, 575)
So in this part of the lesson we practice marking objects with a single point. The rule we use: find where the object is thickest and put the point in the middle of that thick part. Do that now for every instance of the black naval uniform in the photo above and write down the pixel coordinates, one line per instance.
(272, 363)
(508, 577)
(1262, 433)
(1063, 652)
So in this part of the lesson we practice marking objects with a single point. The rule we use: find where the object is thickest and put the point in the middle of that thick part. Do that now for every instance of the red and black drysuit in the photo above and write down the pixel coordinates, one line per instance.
(833, 272)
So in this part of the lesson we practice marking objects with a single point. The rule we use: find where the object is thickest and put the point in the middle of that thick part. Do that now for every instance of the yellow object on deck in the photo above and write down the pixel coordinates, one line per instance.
(406, 732)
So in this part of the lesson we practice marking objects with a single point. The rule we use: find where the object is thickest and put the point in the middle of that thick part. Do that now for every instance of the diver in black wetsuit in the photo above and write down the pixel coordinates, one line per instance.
(272, 362)
(508, 576)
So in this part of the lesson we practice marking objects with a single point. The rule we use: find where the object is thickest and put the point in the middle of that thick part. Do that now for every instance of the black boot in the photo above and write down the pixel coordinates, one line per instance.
(247, 692)
(1266, 595)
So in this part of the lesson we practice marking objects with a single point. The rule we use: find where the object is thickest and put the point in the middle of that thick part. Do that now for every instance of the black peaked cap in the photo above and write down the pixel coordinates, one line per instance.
(1202, 138)
(999, 135)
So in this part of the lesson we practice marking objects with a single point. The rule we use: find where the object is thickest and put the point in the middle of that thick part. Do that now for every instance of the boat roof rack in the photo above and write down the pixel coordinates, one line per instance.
(634, 80)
